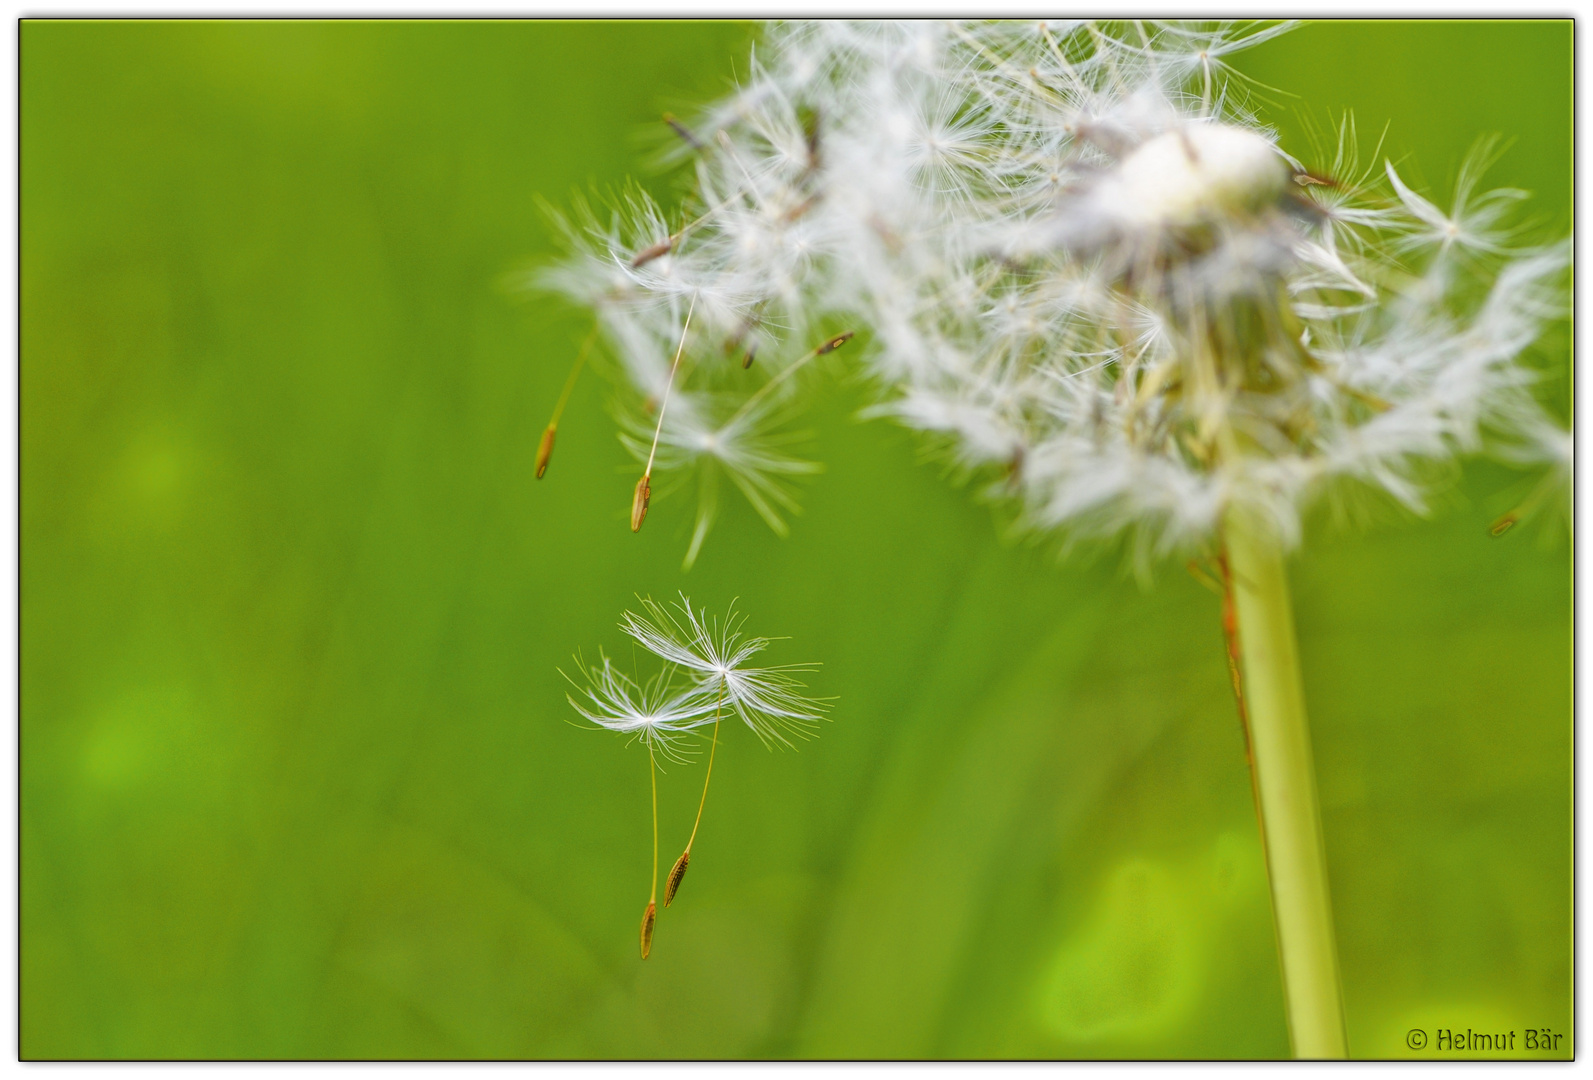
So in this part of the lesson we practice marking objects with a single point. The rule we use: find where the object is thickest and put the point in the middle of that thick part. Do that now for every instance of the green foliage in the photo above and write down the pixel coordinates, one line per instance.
(298, 777)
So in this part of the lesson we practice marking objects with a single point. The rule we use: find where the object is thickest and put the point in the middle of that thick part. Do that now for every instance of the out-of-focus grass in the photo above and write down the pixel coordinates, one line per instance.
(297, 772)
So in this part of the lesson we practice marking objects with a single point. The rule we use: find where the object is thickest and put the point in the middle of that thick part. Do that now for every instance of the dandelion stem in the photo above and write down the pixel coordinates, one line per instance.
(1291, 827)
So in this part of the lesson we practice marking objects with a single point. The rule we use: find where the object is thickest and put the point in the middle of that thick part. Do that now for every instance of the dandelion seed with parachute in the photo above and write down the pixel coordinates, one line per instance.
(656, 713)
(704, 669)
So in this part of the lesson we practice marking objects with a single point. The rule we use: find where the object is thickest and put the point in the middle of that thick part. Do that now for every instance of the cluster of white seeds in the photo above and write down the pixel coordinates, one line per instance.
(1079, 265)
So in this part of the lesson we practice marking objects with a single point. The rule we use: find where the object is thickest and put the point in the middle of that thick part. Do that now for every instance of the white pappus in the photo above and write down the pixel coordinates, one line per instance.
(1084, 268)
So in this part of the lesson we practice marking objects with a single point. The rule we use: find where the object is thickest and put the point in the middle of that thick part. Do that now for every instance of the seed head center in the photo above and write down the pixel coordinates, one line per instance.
(1197, 175)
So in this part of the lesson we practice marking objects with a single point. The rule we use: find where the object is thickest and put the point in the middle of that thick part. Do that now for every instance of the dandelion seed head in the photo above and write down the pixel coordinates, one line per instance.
(1084, 266)
(1199, 174)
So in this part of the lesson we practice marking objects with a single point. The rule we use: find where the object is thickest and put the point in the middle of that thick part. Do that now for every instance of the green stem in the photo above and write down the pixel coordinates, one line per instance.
(1291, 825)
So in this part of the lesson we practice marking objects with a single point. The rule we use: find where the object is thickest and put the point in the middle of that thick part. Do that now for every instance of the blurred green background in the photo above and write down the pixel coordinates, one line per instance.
(297, 774)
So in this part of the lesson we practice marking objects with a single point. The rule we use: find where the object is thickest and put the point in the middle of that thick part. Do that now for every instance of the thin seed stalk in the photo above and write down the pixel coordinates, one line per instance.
(1291, 824)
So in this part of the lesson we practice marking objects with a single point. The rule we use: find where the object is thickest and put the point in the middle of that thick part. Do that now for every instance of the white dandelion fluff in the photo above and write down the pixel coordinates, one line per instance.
(769, 699)
(1084, 266)
(655, 712)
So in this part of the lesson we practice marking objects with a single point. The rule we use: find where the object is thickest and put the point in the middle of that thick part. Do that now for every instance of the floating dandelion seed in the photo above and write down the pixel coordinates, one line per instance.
(658, 714)
(644, 490)
(705, 671)
(769, 700)
(1096, 278)
(545, 447)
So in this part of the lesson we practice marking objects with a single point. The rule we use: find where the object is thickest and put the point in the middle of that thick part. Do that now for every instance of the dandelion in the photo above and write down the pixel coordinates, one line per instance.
(705, 670)
(549, 433)
(658, 715)
(769, 700)
(1098, 281)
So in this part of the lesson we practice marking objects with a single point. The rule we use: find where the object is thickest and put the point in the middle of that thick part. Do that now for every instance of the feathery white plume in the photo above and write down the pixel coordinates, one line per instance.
(1084, 268)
